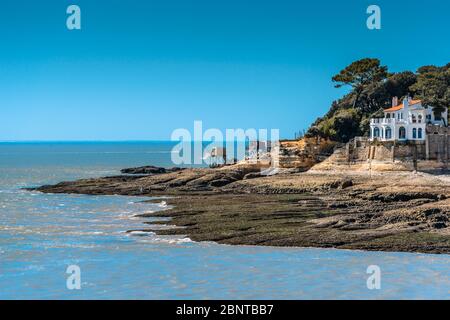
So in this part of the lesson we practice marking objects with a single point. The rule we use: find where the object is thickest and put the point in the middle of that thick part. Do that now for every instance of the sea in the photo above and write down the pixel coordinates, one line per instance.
(63, 246)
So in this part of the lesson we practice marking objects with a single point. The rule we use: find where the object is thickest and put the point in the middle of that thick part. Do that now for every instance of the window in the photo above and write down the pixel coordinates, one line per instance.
(419, 118)
(376, 132)
(402, 133)
(420, 133)
(413, 117)
(388, 133)
(414, 133)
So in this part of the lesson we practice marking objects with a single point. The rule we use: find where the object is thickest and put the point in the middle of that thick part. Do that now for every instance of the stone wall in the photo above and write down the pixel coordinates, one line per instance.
(437, 143)
(382, 152)
(435, 147)
(389, 151)
(410, 151)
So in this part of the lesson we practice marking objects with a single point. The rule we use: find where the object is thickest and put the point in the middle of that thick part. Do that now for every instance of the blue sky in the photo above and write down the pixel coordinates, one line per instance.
(140, 69)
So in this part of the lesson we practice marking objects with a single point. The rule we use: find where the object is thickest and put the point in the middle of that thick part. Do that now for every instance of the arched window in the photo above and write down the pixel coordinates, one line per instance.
(388, 134)
(414, 133)
(420, 133)
(419, 118)
(376, 132)
(402, 133)
(413, 118)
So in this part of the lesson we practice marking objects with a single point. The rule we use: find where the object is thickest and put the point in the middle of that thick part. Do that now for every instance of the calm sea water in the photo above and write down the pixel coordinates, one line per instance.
(42, 234)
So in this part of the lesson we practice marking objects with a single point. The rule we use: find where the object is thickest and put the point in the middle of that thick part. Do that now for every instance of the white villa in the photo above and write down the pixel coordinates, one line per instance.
(406, 121)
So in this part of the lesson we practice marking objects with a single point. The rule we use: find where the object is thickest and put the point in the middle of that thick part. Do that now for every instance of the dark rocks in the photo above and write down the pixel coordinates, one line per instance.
(338, 205)
(438, 225)
(432, 211)
(339, 184)
(404, 196)
(346, 183)
(220, 182)
(149, 170)
(144, 170)
(252, 175)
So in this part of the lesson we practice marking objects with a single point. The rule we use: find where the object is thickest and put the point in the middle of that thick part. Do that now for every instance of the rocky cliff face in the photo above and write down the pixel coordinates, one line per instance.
(304, 153)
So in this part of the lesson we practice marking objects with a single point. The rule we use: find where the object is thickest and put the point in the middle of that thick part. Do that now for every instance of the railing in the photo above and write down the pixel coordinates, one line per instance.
(387, 121)
(382, 120)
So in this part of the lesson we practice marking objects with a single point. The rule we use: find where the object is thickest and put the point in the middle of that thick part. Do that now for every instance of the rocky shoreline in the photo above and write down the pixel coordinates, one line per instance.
(390, 211)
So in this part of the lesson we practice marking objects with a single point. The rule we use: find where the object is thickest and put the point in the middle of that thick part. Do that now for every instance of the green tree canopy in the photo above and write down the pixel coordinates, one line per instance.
(398, 84)
(433, 87)
(360, 74)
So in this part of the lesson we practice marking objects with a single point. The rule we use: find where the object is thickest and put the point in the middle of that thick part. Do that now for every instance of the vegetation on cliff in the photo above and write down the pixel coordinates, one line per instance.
(372, 89)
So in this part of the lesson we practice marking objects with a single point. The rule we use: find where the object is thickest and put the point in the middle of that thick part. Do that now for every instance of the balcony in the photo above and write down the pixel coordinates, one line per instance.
(382, 121)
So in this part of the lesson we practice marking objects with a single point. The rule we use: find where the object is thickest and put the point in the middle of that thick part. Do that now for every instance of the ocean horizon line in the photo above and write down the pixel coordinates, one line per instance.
(109, 141)
(78, 141)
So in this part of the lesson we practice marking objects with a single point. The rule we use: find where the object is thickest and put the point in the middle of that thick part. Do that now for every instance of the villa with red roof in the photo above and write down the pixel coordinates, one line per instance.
(406, 121)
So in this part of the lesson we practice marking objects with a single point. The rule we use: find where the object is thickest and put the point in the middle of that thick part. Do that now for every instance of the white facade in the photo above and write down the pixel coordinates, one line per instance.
(406, 121)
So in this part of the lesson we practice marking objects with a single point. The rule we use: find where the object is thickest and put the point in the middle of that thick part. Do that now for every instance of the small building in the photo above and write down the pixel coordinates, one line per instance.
(217, 157)
(406, 121)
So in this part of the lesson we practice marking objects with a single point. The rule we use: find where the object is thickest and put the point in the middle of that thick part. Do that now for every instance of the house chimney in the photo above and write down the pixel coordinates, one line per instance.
(406, 102)
(395, 101)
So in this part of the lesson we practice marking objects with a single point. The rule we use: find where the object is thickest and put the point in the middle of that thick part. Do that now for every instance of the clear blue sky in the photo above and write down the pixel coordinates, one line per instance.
(140, 69)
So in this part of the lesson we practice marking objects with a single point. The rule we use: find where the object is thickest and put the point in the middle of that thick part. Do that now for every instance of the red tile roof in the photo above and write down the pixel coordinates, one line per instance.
(400, 106)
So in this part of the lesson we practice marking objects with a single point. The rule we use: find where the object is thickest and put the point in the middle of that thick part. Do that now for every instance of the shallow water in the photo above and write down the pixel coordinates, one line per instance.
(42, 234)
